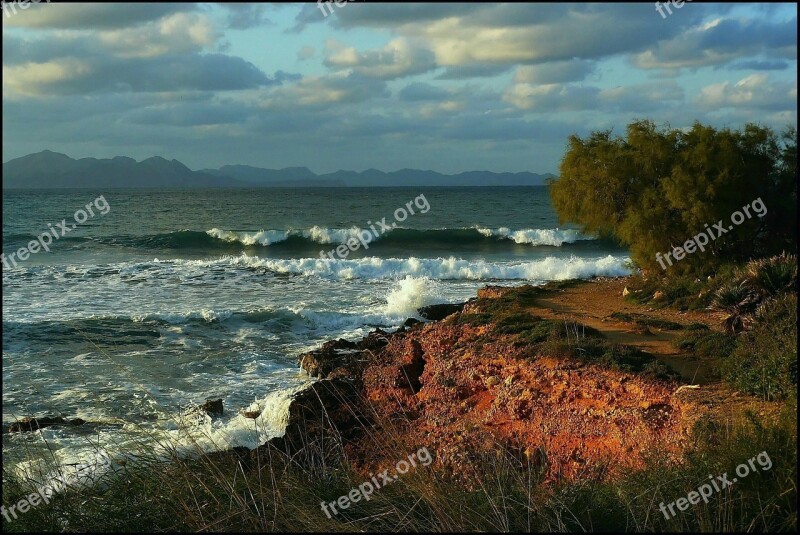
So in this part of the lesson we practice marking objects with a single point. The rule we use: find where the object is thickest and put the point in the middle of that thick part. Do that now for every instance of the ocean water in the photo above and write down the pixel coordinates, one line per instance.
(170, 297)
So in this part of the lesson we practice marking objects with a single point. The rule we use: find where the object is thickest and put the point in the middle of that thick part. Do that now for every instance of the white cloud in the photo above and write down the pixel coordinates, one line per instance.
(754, 91)
(319, 91)
(399, 58)
(174, 34)
(33, 78)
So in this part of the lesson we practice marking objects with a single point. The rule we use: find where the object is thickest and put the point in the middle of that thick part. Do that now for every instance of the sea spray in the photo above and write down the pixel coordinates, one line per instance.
(410, 294)
(190, 433)
(451, 268)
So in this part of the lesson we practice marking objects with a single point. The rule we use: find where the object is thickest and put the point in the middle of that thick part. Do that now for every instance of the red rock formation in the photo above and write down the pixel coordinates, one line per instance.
(462, 389)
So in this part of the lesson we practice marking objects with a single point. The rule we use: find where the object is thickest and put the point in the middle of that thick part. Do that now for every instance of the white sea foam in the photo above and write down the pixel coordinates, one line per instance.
(323, 235)
(410, 294)
(555, 237)
(331, 235)
(550, 268)
(263, 237)
(317, 234)
(187, 434)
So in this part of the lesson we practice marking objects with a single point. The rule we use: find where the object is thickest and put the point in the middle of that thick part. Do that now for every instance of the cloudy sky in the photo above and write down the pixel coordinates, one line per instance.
(448, 87)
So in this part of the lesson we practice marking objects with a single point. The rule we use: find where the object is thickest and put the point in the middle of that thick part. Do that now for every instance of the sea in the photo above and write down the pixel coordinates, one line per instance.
(149, 302)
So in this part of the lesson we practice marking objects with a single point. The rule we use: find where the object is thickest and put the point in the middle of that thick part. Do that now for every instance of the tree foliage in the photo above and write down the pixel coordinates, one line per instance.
(658, 187)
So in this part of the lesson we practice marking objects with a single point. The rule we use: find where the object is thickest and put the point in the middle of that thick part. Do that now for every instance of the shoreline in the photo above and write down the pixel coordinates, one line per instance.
(428, 378)
(513, 392)
(386, 370)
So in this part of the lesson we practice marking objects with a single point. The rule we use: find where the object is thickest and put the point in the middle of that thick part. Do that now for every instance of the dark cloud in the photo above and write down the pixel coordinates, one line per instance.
(556, 72)
(759, 65)
(381, 15)
(68, 16)
(419, 91)
(193, 72)
(244, 16)
(476, 70)
(720, 43)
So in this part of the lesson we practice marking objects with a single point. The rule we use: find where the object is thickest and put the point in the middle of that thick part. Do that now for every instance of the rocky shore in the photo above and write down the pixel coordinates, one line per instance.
(488, 376)
(510, 371)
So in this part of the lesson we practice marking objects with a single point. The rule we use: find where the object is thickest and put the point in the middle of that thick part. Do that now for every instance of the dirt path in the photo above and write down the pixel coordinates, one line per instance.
(593, 302)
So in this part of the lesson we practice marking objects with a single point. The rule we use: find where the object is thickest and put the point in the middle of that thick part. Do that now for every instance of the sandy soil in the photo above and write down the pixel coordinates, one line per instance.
(592, 303)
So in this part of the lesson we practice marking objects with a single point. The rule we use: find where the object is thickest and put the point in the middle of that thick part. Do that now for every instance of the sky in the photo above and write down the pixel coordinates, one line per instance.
(448, 87)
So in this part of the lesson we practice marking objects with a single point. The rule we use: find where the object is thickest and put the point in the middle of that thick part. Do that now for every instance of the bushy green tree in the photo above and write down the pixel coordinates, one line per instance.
(658, 187)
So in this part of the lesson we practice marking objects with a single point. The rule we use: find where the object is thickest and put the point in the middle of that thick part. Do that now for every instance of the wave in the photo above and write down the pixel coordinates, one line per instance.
(448, 236)
(550, 268)
(246, 267)
(554, 237)
(310, 238)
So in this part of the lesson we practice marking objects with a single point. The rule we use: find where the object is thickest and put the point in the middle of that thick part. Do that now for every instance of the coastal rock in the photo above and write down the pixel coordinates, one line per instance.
(413, 366)
(439, 312)
(492, 292)
(333, 354)
(374, 341)
(28, 425)
(433, 386)
(408, 324)
(212, 407)
(323, 421)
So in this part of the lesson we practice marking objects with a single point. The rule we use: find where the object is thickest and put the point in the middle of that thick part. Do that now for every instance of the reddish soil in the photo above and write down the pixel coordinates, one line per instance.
(464, 389)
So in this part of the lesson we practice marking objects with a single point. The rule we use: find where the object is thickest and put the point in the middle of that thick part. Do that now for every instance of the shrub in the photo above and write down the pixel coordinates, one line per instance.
(759, 280)
(738, 300)
(661, 185)
(706, 343)
(765, 360)
(772, 276)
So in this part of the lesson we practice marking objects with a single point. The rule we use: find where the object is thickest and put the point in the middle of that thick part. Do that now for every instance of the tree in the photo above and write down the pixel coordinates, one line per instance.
(659, 187)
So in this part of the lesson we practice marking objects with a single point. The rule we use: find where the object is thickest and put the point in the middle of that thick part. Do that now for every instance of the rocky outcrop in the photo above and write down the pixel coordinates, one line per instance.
(439, 312)
(333, 354)
(212, 407)
(342, 355)
(464, 388)
(27, 425)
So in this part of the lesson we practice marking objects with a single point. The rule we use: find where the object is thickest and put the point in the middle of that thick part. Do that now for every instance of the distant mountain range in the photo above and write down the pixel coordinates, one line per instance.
(49, 169)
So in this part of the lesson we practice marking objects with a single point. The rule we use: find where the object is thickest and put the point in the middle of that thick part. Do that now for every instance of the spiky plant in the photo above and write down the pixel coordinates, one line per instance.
(738, 300)
(772, 276)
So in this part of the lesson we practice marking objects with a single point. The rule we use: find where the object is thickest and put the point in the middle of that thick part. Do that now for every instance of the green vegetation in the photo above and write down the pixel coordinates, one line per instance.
(570, 339)
(657, 188)
(706, 343)
(755, 285)
(646, 321)
(757, 352)
(765, 360)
